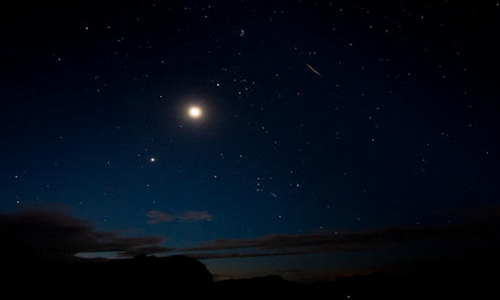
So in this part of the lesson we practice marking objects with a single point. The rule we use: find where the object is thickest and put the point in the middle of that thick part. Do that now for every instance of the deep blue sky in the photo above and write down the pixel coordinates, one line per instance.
(319, 118)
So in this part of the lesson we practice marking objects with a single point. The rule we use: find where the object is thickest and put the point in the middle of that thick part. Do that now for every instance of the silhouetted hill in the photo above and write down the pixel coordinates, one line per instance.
(142, 275)
(149, 276)
(266, 282)
(441, 280)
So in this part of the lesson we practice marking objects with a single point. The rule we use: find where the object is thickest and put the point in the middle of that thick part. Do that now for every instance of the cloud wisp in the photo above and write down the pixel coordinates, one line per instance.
(343, 242)
(44, 234)
(35, 234)
(347, 241)
(156, 217)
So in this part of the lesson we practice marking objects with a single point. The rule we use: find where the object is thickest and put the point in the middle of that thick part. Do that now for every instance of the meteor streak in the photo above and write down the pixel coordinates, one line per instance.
(313, 69)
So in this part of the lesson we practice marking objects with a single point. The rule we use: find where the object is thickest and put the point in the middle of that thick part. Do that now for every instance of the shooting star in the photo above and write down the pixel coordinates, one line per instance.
(313, 69)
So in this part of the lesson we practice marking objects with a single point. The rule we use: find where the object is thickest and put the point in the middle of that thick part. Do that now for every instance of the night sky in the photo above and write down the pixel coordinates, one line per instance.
(328, 137)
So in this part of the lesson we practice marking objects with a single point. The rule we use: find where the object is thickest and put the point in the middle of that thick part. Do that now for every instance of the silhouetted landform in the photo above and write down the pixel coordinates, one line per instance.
(144, 275)
(453, 282)
(149, 276)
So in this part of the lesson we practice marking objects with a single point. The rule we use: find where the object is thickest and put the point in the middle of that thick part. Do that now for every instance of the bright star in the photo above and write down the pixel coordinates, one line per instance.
(195, 112)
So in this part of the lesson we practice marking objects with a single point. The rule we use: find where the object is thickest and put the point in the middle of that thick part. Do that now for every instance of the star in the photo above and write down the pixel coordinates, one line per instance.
(195, 112)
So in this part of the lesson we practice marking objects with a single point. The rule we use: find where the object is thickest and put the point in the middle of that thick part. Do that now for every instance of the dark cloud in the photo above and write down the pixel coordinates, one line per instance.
(156, 216)
(35, 234)
(148, 250)
(245, 254)
(54, 234)
(194, 216)
(348, 241)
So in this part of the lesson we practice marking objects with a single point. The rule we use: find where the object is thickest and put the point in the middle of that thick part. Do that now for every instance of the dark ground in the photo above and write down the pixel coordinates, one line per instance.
(183, 276)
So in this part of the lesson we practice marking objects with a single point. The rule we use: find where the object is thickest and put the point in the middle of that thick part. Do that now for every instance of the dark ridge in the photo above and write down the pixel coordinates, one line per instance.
(150, 276)
(144, 275)
(473, 279)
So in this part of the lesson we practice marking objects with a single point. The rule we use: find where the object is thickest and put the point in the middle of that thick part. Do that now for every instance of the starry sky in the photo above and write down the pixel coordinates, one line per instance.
(331, 137)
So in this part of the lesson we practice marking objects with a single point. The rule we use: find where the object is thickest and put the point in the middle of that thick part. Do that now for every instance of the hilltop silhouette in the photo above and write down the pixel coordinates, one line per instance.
(452, 279)
(38, 258)
(150, 276)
